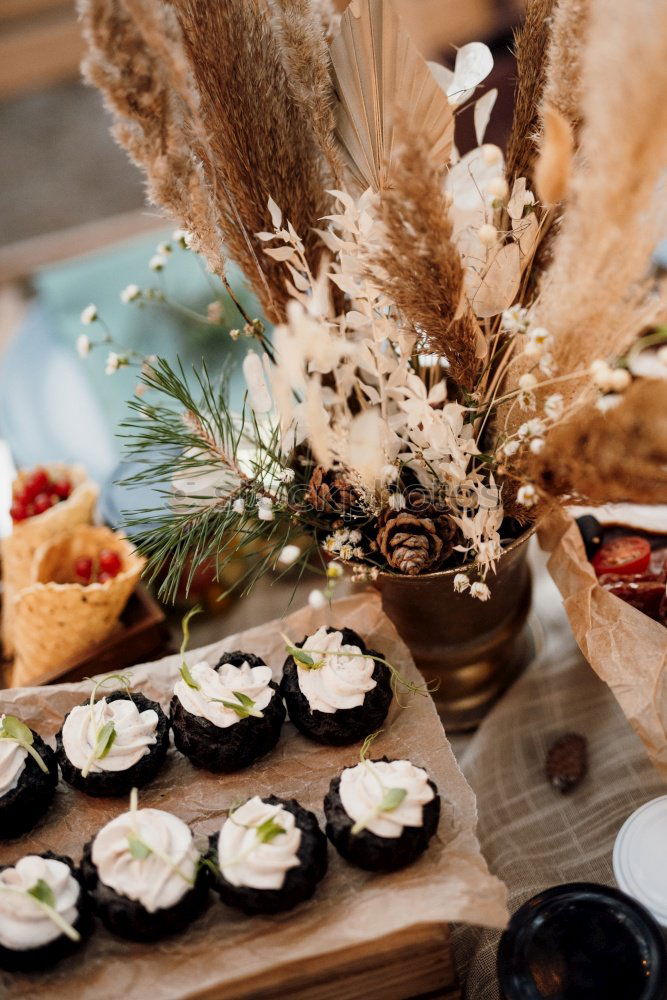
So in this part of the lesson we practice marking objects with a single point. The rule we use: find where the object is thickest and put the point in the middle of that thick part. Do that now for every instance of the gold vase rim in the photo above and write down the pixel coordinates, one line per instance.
(517, 543)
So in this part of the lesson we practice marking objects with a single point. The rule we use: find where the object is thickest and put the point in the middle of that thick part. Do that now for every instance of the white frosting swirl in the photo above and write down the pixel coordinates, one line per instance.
(341, 681)
(23, 922)
(135, 734)
(221, 684)
(244, 860)
(158, 880)
(12, 761)
(362, 788)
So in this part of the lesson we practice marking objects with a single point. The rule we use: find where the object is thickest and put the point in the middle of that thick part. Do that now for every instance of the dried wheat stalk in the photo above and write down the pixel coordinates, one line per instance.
(531, 47)
(418, 266)
(135, 57)
(303, 42)
(620, 455)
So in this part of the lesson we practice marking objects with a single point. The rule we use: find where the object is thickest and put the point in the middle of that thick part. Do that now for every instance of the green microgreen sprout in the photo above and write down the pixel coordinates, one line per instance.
(106, 735)
(140, 849)
(243, 706)
(398, 681)
(185, 626)
(14, 730)
(268, 830)
(43, 895)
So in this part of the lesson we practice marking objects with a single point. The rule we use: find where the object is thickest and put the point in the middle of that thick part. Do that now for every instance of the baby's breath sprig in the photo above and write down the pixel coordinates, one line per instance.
(15, 731)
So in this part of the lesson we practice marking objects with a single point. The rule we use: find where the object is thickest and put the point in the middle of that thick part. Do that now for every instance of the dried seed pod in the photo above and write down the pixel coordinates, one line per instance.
(567, 762)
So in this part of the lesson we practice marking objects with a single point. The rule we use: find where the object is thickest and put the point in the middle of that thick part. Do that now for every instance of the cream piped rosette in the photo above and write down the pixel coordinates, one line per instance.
(218, 686)
(246, 858)
(343, 676)
(19, 548)
(24, 924)
(13, 759)
(58, 620)
(135, 733)
(159, 873)
(364, 787)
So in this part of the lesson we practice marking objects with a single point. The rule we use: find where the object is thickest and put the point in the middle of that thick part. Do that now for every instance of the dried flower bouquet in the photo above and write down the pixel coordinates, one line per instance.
(459, 340)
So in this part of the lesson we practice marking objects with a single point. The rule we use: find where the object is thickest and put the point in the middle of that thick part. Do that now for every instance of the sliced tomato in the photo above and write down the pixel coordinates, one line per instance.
(623, 556)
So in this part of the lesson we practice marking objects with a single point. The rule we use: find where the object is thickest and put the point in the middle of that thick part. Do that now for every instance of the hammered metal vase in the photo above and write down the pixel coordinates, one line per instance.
(476, 649)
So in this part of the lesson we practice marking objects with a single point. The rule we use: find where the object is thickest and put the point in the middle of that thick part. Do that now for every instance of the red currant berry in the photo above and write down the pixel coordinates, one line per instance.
(103, 577)
(30, 510)
(110, 562)
(42, 503)
(83, 569)
(35, 483)
(18, 510)
(62, 488)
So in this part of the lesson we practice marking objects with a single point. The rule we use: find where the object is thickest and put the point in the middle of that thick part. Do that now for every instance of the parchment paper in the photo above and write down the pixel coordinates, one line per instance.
(451, 882)
(625, 647)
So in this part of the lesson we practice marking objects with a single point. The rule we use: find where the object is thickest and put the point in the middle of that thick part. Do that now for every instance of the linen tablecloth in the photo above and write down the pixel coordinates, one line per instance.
(532, 836)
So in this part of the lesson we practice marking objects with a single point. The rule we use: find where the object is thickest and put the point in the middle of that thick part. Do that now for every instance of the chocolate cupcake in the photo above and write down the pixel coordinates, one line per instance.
(270, 855)
(145, 874)
(337, 691)
(226, 717)
(28, 777)
(381, 814)
(45, 912)
(108, 747)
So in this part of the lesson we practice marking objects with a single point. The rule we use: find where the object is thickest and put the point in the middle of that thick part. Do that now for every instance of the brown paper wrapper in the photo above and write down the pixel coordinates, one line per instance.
(19, 548)
(56, 621)
(451, 882)
(626, 648)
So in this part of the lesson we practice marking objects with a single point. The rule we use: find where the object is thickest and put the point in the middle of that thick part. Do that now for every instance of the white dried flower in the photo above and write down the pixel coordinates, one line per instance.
(511, 447)
(487, 234)
(515, 320)
(289, 554)
(182, 237)
(130, 294)
(286, 475)
(335, 571)
(355, 536)
(397, 501)
(89, 315)
(389, 472)
(527, 401)
(214, 312)
(265, 509)
(547, 365)
(480, 591)
(461, 583)
(662, 354)
(553, 406)
(359, 553)
(157, 262)
(346, 551)
(536, 445)
(491, 154)
(531, 428)
(527, 495)
(114, 362)
(239, 506)
(234, 334)
(164, 249)
(83, 345)
(330, 544)
(497, 188)
(527, 381)
(620, 379)
(317, 600)
(608, 402)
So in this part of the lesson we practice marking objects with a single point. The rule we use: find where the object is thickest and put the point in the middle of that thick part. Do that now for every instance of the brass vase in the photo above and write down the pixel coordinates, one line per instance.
(475, 649)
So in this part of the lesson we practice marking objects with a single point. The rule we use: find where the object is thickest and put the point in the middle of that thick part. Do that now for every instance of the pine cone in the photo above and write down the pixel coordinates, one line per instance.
(567, 762)
(331, 493)
(409, 543)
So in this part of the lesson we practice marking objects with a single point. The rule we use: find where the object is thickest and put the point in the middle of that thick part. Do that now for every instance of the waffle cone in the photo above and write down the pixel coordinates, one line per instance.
(19, 548)
(57, 621)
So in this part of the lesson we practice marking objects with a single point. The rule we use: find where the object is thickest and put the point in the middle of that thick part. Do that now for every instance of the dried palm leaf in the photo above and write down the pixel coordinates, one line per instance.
(379, 74)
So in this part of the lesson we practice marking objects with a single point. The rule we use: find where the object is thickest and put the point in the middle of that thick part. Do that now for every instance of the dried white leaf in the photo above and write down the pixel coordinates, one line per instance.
(482, 113)
(526, 232)
(280, 253)
(498, 287)
(473, 64)
(258, 391)
(276, 214)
